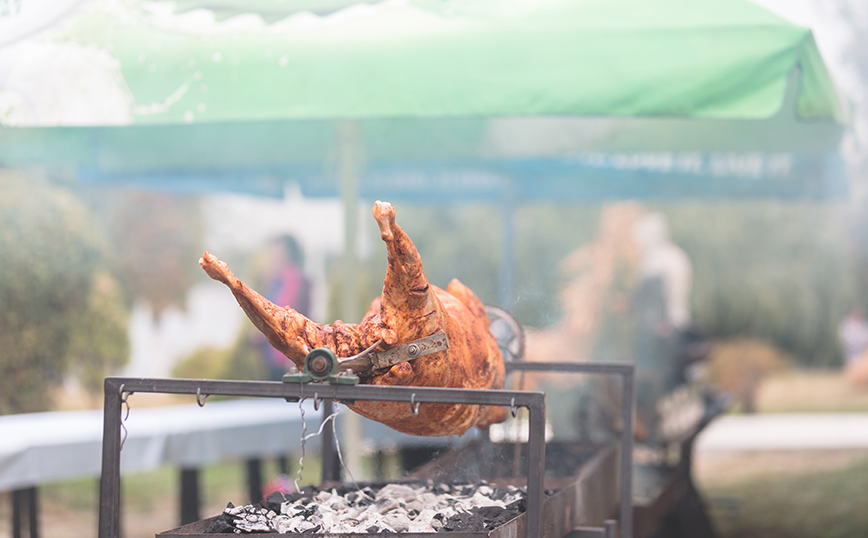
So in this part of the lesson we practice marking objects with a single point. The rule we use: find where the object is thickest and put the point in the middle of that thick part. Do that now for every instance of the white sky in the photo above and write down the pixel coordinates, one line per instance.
(830, 34)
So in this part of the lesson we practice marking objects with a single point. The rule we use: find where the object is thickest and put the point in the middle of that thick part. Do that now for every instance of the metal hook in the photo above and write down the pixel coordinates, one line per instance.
(124, 397)
(512, 407)
(123, 394)
(414, 405)
(316, 401)
(200, 398)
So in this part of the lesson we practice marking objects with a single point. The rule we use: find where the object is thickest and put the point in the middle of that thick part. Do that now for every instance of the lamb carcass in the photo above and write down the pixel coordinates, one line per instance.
(408, 309)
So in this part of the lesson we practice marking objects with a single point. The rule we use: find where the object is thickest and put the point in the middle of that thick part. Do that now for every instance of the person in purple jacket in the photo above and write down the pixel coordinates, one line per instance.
(285, 285)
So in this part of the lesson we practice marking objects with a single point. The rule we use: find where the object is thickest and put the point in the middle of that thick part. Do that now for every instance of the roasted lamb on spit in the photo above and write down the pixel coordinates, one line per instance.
(408, 309)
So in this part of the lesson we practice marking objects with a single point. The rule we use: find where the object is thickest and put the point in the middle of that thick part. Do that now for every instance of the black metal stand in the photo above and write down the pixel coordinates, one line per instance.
(25, 501)
(189, 495)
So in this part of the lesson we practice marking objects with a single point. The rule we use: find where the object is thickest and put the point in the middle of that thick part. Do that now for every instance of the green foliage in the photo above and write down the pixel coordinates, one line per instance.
(59, 309)
(784, 272)
(243, 360)
(776, 271)
(466, 242)
(99, 340)
(153, 237)
(738, 367)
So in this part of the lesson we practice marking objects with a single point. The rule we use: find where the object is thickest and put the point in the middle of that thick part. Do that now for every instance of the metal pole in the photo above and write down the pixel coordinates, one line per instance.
(507, 246)
(628, 408)
(350, 161)
(109, 488)
(331, 469)
(32, 500)
(189, 495)
(254, 479)
(17, 508)
(536, 462)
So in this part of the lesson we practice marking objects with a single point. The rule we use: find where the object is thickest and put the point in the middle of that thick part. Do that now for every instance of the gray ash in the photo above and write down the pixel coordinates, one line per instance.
(393, 508)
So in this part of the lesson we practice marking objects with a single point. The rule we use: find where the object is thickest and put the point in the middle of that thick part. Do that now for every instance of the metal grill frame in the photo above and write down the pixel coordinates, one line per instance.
(626, 371)
(118, 389)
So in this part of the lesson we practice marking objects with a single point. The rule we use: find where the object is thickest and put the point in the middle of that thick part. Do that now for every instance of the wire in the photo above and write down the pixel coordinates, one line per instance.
(306, 436)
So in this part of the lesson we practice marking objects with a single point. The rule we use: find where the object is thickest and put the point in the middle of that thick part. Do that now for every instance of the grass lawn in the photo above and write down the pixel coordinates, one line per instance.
(801, 391)
(787, 495)
(793, 494)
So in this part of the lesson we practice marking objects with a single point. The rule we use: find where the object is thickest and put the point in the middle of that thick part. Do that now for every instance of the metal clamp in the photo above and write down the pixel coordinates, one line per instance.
(369, 360)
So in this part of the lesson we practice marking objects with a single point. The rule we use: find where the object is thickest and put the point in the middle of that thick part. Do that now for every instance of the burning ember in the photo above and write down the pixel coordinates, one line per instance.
(406, 507)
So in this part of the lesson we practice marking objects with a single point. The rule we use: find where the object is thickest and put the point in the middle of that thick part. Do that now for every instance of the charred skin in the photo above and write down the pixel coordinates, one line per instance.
(409, 308)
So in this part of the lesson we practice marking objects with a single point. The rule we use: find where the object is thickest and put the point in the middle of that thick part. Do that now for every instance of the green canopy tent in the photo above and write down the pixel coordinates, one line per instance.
(424, 80)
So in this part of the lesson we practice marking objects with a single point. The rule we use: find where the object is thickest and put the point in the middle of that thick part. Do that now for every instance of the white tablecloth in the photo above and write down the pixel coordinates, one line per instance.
(38, 448)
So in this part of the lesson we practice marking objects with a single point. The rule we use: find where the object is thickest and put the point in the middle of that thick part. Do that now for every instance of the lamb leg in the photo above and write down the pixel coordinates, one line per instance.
(408, 309)
(289, 332)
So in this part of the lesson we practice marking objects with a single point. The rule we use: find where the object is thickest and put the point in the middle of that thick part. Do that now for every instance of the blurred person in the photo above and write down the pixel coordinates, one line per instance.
(663, 264)
(285, 285)
(666, 343)
(853, 334)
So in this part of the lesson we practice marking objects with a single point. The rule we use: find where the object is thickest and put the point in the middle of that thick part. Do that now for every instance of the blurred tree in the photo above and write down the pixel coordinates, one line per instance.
(59, 305)
(156, 239)
(467, 240)
(739, 366)
(780, 271)
(851, 16)
(776, 271)
(243, 360)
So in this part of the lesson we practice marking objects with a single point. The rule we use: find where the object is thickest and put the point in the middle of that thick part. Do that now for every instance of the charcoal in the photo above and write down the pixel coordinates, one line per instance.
(292, 497)
(221, 525)
(274, 500)
(416, 507)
